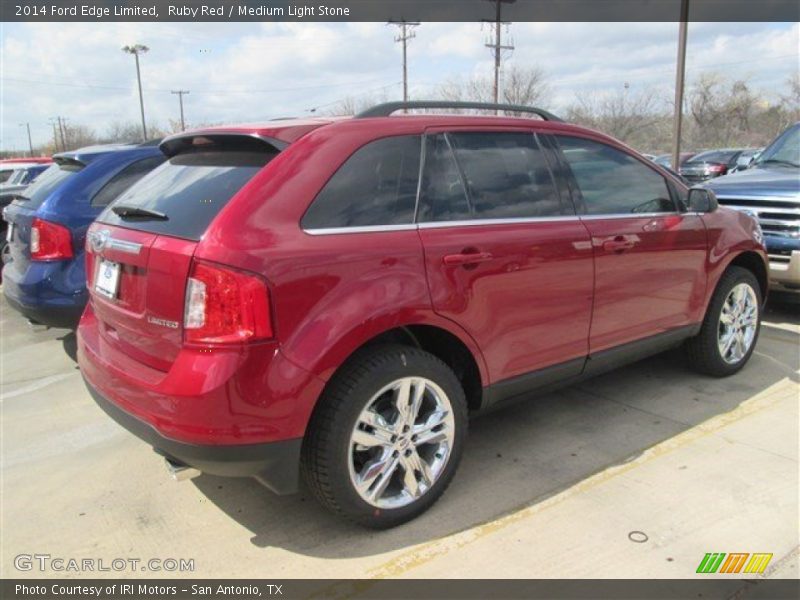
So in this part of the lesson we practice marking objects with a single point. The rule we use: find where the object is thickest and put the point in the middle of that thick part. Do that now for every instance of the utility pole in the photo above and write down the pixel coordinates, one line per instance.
(136, 50)
(180, 94)
(679, 81)
(62, 127)
(30, 143)
(406, 33)
(55, 135)
(497, 46)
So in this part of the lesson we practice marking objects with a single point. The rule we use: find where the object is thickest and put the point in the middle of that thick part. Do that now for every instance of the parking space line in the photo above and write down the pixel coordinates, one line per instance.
(420, 555)
(37, 385)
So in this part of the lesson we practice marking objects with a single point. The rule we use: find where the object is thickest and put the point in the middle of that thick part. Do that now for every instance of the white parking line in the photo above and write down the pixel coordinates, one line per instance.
(36, 385)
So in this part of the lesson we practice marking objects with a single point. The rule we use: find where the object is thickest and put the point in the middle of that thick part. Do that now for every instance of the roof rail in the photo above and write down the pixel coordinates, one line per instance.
(386, 109)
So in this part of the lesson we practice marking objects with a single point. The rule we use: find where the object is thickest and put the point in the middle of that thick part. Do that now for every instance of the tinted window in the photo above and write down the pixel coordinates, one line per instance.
(46, 183)
(125, 179)
(190, 189)
(6, 175)
(613, 182)
(442, 195)
(714, 156)
(506, 175)
(375, 186)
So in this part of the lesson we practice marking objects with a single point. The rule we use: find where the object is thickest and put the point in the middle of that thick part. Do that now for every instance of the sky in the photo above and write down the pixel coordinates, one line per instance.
(245, 72)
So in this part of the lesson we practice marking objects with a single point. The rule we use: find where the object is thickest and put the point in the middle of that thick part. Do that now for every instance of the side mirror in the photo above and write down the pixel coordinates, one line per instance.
(702, 200)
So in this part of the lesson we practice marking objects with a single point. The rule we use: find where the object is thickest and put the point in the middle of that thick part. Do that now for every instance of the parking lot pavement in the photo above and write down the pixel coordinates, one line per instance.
(550, 488)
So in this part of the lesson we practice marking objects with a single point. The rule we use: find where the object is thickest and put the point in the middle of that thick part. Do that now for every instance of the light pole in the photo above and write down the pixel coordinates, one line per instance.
(136, 50)
(679, 82)
(30, 143)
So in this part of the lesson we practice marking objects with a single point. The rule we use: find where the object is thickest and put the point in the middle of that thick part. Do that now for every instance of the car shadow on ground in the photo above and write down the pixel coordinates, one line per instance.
(70, 343)
(530, 451)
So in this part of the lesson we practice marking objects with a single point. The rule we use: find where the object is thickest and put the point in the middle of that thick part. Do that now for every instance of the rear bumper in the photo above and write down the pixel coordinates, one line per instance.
(51, 293)
(52, 316)
(276, 464)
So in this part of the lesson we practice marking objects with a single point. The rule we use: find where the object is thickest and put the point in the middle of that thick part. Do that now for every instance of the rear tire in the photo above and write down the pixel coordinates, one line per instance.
(730, 329)
(387, 436)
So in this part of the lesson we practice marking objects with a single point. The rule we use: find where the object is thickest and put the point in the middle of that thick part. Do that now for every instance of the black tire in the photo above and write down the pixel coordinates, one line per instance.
(703, 351)
(4, 254)
(327, 448)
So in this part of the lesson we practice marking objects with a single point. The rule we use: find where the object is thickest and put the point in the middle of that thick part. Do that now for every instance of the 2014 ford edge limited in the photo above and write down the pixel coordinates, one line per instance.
(334, 297)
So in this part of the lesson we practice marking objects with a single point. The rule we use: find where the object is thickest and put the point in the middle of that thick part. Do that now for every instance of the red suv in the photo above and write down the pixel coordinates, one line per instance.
(335, 297)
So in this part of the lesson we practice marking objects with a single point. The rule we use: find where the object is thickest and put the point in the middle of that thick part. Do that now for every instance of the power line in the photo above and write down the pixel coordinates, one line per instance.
(212, 92)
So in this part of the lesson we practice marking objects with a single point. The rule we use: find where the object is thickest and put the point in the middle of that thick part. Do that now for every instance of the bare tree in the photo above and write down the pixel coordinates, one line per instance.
(629, 116)
(526, 86)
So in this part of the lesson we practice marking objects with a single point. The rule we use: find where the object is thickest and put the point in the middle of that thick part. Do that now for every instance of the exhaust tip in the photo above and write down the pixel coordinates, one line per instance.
(179, 471)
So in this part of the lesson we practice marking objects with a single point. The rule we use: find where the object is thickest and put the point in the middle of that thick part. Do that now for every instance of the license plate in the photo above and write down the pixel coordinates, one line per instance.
(10, 232)
(107, 280)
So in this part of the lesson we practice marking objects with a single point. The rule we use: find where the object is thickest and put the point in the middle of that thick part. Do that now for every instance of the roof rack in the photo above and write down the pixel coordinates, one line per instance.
(386, 109)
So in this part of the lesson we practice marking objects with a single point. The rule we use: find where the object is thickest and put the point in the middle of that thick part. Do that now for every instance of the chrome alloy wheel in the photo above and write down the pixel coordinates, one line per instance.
(738, 322)
(401, 442)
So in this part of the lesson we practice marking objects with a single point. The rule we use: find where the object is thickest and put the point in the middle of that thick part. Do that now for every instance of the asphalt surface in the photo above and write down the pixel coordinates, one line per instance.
(636, 474)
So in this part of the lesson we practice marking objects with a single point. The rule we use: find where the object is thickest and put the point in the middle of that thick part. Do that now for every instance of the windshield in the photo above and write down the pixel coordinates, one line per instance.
(46, 183)
(714, 156)
(784, 150)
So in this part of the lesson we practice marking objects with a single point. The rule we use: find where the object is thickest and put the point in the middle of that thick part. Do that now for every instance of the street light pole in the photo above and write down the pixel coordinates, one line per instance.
(679, 82)
(137, 49)
(30, 143)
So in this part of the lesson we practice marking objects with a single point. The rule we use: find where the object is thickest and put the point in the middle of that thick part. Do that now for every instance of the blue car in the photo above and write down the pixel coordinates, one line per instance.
(44, 275)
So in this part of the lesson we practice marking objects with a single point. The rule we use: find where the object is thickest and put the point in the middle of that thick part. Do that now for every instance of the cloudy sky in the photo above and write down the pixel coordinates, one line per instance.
(256, 71)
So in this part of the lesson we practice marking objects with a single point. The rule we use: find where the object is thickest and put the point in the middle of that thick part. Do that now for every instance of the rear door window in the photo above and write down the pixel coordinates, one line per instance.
(125, 179)
(487, 175)
(190, 189)
(507, 175)
(376, 186)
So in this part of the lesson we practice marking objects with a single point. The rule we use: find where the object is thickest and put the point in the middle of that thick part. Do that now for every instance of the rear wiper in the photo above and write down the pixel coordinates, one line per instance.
(135, 212)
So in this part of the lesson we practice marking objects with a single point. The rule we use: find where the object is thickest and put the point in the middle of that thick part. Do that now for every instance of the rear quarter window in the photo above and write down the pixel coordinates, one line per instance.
(190, 189)
(376, 186)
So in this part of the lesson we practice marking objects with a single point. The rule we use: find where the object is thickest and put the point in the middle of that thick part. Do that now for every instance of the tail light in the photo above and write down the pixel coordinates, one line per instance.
(223, 306)
(50, 241)
(718, 169)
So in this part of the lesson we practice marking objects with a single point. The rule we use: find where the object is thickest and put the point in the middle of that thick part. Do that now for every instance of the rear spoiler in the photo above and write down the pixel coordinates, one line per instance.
(198, 140)
(68, 161)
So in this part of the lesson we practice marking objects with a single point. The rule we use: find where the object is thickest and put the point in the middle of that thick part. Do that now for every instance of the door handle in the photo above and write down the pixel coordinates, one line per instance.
(618, 245)
(467, 258)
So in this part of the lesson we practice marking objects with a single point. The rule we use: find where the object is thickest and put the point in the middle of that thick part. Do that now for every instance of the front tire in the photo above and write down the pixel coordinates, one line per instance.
(730, 329)
(387, 437)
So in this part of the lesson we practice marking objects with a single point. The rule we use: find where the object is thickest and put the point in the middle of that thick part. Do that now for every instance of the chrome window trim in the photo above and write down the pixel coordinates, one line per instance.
(361, 229)
(647, 215)
(479, 222)
(482, 222)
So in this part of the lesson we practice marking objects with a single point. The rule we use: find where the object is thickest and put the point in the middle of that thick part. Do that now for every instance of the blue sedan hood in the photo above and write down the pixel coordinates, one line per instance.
(761, 181)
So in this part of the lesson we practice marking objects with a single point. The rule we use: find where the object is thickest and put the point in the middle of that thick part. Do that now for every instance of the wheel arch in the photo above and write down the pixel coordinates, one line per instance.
(753, 262)
(454, 348)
